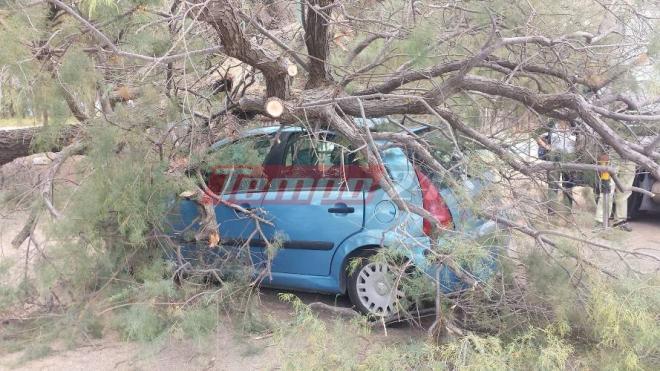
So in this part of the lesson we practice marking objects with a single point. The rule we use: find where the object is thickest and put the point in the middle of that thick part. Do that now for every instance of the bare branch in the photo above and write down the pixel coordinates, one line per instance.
(276, 40)
(361, 46)
(106, 42)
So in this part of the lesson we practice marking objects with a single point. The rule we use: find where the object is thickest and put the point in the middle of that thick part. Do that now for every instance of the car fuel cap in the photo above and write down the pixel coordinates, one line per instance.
(385, 211)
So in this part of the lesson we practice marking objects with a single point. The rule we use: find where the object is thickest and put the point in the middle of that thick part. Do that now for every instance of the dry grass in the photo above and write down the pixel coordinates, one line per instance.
(19, 122)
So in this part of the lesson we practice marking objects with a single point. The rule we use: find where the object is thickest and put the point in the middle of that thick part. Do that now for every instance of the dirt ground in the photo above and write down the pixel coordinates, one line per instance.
(229, 349)
(226, 349)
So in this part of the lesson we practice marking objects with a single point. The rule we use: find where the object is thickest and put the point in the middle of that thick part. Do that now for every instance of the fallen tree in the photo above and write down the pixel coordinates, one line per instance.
(485, 78)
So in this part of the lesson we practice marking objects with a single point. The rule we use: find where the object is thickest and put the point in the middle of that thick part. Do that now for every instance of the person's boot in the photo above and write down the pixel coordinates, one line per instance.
(623, 225)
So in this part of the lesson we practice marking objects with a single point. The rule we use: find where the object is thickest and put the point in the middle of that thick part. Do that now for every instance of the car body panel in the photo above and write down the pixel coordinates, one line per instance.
(312, 232)
(234, 230)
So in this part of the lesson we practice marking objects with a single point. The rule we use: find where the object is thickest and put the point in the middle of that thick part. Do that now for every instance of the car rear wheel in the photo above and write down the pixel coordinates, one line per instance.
(372, 288)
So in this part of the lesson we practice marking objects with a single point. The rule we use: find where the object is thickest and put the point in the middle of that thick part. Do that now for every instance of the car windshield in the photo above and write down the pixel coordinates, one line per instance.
(250, 151)
(325, 151)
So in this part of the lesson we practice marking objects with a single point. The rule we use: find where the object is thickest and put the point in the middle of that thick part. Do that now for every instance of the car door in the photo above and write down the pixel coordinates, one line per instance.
(234, 172)
(315, 200)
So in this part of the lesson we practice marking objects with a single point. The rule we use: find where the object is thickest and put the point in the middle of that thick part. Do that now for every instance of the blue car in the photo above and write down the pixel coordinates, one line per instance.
(318, 209)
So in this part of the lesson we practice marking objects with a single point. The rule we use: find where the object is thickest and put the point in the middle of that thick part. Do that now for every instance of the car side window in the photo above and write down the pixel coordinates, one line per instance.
(303, 150)
(250, 151)
(238, 167)
(325, 162)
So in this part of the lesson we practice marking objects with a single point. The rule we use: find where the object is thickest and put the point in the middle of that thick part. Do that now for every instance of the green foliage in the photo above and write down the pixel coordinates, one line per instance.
(547, 278)
(153, 41)
(199, 322)
(140, 323)
(76, 76)
(254, 322)
(8, 297)
(466, 252)
(623, 317)
(124, 197)
(248, 152)
(538, 349)
(108, 273)
(324, 346)
(92, 5)
(15, 31)
(419, 44)
(327, 344)
(77, 69)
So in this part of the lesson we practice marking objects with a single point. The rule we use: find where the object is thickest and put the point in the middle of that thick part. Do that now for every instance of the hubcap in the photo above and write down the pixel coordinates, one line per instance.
(375, 289)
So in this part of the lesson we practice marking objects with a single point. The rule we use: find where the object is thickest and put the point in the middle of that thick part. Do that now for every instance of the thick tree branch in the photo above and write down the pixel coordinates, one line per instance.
(548, 71)
(406, 77)
(549, 104)
(225, 19)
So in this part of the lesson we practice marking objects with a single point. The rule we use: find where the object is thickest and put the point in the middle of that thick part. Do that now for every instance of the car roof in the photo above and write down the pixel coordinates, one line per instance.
(267, 130)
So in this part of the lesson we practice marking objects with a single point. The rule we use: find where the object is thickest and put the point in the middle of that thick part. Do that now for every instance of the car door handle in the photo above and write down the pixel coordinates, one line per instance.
(341, 209)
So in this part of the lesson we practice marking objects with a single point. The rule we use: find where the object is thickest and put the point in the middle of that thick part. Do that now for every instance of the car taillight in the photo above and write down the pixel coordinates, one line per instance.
(433, 203)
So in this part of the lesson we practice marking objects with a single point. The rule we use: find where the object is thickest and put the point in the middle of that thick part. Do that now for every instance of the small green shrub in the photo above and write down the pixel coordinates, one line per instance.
(35, 351)
(199, 322)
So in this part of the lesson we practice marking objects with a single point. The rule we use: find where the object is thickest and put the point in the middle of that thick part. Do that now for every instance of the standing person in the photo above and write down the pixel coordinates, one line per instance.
(558, 145)
(543, 140)
(618, 200)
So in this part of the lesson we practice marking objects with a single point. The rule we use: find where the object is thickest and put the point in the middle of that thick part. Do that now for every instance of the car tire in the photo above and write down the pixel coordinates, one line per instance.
(634, 203)
(635, 200)
(371, 288)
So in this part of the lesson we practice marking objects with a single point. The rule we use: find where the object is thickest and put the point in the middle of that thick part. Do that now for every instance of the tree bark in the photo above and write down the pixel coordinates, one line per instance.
(317, 42)
(15, 143)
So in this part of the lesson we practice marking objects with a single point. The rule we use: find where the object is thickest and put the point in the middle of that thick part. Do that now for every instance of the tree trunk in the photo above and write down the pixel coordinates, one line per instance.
(318, 42)
(15, 143)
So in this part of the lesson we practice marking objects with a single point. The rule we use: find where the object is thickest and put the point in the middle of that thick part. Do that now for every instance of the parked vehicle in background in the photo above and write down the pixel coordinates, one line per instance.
(325, 210)
(642, 204)
(638, 203)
